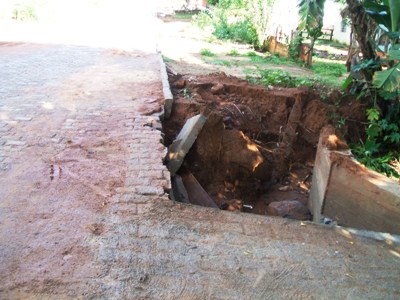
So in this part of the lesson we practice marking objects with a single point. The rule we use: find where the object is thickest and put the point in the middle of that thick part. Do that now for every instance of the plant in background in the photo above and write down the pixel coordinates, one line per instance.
(233, 52)
(294, 46)
(311, 19)
(251, 54)
(282, 79)
(387, 15)
(244, 21)
(25, 12)
(380, 150)
(207, 52)
(329, 69)
(379, 80)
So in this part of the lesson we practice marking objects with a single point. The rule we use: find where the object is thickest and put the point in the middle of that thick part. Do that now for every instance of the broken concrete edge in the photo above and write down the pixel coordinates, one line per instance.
(168, 97)
(196, 193)
(179, 192)
(388, 238)
(349, 193)
(184, 141)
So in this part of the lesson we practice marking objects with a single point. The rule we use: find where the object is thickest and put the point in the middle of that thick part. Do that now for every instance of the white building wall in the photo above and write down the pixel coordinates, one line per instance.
(285, 18)
(333, 19)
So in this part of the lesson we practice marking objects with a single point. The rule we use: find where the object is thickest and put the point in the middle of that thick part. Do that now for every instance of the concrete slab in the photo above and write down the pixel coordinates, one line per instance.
(179, 192)
(184, 141)
(197, 195)
(349, 193)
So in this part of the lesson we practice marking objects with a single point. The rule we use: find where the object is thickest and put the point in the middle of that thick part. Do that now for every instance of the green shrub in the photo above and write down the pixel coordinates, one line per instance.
(251, 54)
(203, 19)
(232, 20)
(282, 79)
(212, 2)
(383, 137)
(294, 46)
(329, 69)
(25, 12)
(242, 31)
(220, 62)
(233, 52)
(207, 52)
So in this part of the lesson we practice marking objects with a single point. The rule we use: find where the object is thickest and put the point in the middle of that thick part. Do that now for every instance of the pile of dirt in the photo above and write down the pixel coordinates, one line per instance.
(258, 145)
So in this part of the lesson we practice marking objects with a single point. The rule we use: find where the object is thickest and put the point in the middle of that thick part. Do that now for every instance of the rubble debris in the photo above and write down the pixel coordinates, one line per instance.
(292, 209)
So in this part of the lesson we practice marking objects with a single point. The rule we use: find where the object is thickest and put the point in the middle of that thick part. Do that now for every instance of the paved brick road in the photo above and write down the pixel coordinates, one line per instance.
(84, 213)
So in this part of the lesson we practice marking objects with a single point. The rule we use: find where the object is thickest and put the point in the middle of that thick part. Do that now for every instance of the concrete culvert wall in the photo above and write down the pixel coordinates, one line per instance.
(350, 194)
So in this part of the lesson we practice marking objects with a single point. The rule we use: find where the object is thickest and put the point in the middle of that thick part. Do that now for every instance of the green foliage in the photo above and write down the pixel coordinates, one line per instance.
(203, 19)
(389, 80)
(311, 16)
(272, 60)
(382, 146)
(167, 59)
(294, 46)
(311, 19)
(25, 12)
(239, 20)
(251, 54)
(386, 14)
(382, 164)
(183, 16)
(220, 62)
(329, 69)
(242, 31)
(333, 43)
(233, 52)
(282, 79)
(207, 52)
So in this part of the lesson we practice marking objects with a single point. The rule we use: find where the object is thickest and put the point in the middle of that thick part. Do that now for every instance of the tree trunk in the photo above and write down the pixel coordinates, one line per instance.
(361, 27)
(310, 54)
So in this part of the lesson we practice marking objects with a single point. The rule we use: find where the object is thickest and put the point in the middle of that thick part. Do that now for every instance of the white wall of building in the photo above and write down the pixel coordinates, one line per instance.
(285, 18)
(333, 19)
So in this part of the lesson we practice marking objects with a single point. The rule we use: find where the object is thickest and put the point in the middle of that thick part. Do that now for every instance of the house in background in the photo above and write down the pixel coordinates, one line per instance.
(284, 19)
(333, 19)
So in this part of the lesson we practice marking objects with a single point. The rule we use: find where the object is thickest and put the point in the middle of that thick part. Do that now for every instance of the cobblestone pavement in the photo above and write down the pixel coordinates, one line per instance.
(84, 211)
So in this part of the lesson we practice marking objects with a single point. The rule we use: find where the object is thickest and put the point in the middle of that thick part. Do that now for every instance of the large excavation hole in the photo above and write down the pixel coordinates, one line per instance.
(256, 151)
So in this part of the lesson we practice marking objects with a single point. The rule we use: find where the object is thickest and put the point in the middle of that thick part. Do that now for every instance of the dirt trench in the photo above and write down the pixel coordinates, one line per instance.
(256, 150)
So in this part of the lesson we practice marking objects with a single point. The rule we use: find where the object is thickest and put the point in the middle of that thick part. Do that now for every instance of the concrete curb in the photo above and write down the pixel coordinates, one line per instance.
(168, 97)
(388, 238)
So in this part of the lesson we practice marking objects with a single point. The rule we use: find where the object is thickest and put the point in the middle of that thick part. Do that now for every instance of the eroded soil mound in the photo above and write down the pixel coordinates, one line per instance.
(257, 146)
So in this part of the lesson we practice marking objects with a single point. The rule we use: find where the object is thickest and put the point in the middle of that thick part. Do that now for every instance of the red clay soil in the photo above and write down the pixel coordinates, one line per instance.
(258, 145)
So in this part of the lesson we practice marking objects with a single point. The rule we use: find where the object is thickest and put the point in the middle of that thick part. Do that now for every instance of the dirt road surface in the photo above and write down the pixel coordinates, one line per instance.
(84, 211)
